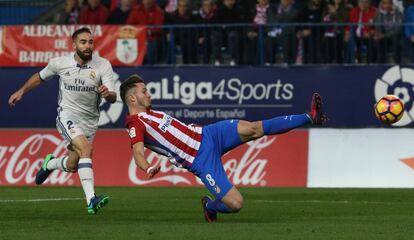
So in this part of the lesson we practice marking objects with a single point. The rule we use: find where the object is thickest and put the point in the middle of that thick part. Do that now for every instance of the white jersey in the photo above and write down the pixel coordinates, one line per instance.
(78, 85)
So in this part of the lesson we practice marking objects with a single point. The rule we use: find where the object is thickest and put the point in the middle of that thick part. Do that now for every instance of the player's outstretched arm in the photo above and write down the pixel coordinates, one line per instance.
(33, 82)
(138, 151)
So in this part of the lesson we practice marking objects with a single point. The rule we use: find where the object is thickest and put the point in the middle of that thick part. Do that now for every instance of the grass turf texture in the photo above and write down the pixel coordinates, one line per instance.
(175, 213)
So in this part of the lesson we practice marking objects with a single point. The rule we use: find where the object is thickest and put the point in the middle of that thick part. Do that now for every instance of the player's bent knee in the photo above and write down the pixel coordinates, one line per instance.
(72, 167)
(86, 151)
(233, 200)
(236, 204)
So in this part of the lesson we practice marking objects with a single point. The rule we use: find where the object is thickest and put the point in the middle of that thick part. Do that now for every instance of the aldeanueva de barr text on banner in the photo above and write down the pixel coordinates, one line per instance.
(35, 45)
(267, 162)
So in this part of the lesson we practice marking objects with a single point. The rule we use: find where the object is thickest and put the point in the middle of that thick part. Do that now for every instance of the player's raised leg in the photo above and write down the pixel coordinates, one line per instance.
(316, 113)
(51, 163)
(253, 130)
(84, 167)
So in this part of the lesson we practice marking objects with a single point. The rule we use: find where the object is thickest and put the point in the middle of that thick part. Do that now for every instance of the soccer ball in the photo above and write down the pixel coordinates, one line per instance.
(389, 109)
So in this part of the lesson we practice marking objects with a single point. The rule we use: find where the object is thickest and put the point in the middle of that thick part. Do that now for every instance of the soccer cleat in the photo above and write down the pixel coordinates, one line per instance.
(208, 216)
(43, 172)
(96, 203)
(316, 113)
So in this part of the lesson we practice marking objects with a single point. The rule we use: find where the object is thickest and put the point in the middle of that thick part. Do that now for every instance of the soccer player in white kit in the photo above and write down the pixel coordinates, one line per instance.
(84, 79)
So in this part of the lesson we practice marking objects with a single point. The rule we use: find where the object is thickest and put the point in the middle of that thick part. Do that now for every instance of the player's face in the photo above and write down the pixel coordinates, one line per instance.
(143, 96)
(84, 46)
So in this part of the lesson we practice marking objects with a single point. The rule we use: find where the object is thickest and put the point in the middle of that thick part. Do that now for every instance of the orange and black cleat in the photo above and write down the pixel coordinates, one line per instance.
(316, 113)
(208, 216)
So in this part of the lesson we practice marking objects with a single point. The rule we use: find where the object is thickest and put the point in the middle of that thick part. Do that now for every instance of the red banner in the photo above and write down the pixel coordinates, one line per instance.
(269, 161)
(35, 45)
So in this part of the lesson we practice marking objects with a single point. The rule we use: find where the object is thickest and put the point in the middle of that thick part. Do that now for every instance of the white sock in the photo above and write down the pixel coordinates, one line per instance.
(58, 163)
(85, 173)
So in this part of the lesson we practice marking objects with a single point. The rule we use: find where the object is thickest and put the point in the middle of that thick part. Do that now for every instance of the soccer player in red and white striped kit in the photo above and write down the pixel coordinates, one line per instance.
(199, 149)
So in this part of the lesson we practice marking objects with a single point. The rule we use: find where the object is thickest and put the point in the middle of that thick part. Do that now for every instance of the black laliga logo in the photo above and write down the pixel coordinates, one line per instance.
(400, 82)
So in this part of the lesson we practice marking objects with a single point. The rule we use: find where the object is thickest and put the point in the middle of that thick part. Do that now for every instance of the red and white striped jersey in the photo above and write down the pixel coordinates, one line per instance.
(166, 135)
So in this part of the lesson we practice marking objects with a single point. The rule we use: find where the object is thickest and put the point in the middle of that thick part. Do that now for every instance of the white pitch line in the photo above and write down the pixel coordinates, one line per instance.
(330, 202)
(39, 200)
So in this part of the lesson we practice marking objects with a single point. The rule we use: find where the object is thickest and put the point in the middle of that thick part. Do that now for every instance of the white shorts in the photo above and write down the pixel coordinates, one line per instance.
(71, 126)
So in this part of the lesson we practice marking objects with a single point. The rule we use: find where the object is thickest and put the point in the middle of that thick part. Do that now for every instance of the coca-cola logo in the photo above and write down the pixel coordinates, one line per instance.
(21, 162)
(249, 169)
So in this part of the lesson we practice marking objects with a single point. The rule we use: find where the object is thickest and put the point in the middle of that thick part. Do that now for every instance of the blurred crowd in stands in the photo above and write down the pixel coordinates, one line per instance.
(260, 31)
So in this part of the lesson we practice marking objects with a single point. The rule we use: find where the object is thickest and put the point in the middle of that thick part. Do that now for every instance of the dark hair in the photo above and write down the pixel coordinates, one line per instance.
(129, 84)
(79, 31)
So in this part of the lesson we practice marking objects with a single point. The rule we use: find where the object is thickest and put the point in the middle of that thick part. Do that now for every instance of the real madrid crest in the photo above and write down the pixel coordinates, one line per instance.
(92, 75)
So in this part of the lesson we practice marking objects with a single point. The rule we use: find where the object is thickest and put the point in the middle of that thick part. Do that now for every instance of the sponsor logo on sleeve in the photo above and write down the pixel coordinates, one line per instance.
(132, 132)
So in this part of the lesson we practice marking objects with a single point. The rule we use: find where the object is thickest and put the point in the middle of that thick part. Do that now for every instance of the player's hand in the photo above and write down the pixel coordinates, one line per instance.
(103, 90)
(15, 97)
(151, 171)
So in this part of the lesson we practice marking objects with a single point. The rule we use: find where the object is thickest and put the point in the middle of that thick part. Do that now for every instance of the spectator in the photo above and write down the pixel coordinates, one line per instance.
(311, 36)
(350, 4)
(121, 13)
(183, 37)
(281, 36)
(354, 3)
(335, 12)
(149, 13)
(259, 18)
(114, 4)
(388, 31)
(409, 29)
(94, 13)
(70, 13)
(247, 8)
(169, 6)
(205, 15)
(228, 13)
(362, 15)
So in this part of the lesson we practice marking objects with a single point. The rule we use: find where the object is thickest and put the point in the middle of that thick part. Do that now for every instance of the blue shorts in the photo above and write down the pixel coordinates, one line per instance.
(218, 138)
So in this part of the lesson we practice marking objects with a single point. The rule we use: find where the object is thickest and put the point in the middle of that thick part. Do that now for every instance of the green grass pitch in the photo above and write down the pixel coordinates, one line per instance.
(175, 213)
